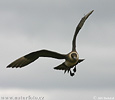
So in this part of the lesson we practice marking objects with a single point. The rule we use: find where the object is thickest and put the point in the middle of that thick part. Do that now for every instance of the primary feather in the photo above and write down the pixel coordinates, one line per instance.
(29, 58)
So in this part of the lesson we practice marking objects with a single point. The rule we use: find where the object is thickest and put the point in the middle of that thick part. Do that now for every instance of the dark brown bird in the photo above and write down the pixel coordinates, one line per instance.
(71, 59)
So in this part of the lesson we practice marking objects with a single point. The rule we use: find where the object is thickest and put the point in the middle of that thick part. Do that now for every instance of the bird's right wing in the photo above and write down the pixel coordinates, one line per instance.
(79, 26)
(29, 58)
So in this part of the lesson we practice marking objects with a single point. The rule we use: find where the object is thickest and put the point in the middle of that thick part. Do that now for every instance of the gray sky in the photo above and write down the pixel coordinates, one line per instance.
(30, 25)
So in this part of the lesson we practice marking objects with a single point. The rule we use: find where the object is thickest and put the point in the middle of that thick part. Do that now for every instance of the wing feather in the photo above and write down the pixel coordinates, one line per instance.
(31, 57)
(79, 26)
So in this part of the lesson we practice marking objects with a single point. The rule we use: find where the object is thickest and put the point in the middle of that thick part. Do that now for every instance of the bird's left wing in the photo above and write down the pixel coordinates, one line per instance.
(29, 58)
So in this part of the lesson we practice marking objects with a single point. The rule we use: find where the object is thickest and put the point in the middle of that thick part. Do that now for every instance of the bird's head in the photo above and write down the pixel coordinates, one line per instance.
(74, 56)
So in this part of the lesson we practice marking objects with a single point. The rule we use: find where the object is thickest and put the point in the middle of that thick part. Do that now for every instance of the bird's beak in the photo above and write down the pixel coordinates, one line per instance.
(75, 58)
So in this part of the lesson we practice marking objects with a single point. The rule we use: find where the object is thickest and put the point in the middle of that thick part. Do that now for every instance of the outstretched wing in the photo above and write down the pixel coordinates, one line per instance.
(29, 58)
(78, 28)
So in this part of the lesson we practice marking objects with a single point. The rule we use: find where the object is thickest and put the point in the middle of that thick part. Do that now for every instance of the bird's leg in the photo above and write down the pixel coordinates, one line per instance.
(65, 71)
(71, 73)
(74, 69)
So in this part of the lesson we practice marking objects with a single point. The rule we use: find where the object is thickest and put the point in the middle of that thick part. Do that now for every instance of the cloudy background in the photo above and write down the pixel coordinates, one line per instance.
(30, 25)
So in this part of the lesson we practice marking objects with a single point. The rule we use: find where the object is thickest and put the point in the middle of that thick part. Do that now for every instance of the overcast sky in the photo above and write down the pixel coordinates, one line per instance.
(30, 25)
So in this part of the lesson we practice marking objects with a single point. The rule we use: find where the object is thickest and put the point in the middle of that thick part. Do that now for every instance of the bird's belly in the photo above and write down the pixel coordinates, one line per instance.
(70, 64)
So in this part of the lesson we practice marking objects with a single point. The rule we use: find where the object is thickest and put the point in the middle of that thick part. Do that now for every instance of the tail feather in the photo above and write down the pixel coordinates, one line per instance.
(80, 60)
(61, 67)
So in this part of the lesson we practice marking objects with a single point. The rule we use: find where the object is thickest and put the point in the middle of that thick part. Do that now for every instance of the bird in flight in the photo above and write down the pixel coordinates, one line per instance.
(71, 59)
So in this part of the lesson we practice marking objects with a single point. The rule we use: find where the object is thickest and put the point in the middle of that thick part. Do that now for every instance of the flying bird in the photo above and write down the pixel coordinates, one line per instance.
(71, 59)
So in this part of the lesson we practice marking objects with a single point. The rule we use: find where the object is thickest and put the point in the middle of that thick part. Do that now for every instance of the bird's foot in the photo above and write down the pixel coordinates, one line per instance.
(72, 74)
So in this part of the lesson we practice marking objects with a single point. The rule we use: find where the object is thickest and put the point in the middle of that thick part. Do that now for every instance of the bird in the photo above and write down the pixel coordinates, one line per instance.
(71, 59)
